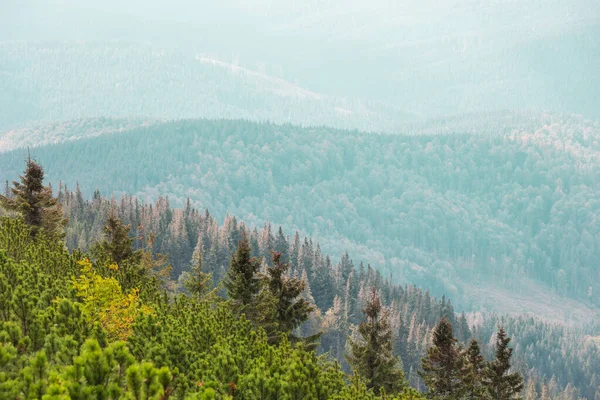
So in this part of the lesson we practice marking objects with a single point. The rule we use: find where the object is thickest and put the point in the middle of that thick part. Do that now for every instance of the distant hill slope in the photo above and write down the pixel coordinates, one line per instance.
(63, 81)
(41, 134)
(461, 213)
(428, 57)
(35, 134)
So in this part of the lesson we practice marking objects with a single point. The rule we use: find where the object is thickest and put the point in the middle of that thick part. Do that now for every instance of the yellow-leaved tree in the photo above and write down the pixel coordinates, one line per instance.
(104, 301)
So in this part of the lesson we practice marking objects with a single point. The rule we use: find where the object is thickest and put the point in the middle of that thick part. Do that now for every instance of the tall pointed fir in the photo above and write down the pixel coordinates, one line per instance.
(196, 281)
(35, 203)
(371, 354)
(242, 280)
(323, 285)
(282, 246)
(441, 368)
(473, 371)
(291, 310)
(500, 382)
(117, 245)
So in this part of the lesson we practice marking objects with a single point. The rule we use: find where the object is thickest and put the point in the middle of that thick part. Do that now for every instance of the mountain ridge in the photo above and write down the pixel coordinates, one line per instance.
(505, 205)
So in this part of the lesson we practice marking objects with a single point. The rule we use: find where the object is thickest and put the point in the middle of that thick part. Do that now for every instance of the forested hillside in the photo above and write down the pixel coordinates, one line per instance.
(339, 290)
(428, 57)
(39, 134)
(450, 212)
(109, 324)
(115, 326)
(185, 84)
(299, 200)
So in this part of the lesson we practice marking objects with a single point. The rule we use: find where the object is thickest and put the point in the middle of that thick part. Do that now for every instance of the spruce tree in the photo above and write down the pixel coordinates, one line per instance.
(290, 309)
(282, 246)
(323, 285)
(371, 355)
(35, 203)
(441, 368)
(242, 280)
(117, 245)
(473, 371)
(500, 382)
(196, 281)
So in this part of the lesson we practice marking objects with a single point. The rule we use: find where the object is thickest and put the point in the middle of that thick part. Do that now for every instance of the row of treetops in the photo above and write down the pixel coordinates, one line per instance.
(119, 292)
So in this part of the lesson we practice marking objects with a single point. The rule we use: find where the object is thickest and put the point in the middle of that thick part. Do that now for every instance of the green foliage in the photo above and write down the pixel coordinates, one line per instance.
(117, 245)
(290, 311)
(371, 355)
(196, 281)
(515, 200)
(443, 363)
(104, 301)
(34, 202)
(501, 382)
(413, 311)
(51, 348)
(243, 281)
(473, 372)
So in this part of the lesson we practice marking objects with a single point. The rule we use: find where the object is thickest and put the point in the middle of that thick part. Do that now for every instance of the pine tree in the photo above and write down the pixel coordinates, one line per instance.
(282, 246)
(500, 382)
(242, 280)
(35, 203)
(196, 281)
(290, 309)
(117, 245)
(473, 373)
(371, 355)
(441, 368)
(323, 284)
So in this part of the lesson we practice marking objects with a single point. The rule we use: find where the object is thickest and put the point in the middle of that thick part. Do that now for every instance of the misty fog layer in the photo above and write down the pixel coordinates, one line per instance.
(427, 58)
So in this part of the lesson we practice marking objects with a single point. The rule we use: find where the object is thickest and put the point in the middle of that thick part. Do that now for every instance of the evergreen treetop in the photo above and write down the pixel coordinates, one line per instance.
(441, 368)
(371, 354)
(34, 202)
(242, 280)
(502, 384)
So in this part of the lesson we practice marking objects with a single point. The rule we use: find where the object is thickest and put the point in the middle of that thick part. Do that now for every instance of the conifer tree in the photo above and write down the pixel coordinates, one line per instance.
(242, 280)
(282, 246)
(371, 355)
(441, 368)
(117, 244)
(196, 281)
(323, 284)
(290, 309)
(473, 373)
(35, 203)
(531, 392)
(295, 251)
(500, 382)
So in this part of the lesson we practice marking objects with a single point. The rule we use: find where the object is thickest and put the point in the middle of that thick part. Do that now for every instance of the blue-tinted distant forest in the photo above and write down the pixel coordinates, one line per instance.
(458, 213)
(281, 199)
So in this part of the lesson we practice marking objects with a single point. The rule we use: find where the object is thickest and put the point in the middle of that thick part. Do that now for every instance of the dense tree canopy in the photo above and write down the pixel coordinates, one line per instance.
(85, 338)
(110, 293)
(454, 213)
(413, 312)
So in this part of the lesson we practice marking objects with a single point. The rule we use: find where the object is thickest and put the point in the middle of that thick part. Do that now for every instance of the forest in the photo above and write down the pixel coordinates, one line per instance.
(299, 200)
(117, 317)
(186, 84)
(460, 214)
